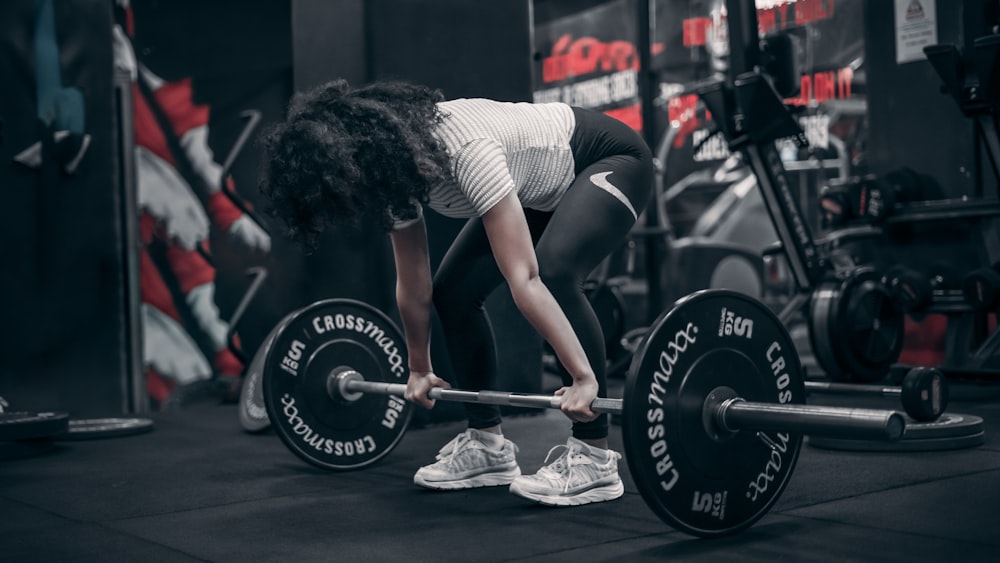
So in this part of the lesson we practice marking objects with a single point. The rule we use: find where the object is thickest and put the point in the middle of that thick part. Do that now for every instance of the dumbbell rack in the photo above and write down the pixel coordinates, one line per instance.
(965, 322)
(972, 79)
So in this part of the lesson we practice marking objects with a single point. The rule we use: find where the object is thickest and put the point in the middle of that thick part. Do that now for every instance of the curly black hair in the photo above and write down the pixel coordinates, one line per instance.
(350, 157)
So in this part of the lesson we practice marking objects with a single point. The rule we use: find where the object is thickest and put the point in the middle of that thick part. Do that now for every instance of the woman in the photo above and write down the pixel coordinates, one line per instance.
(549, 191)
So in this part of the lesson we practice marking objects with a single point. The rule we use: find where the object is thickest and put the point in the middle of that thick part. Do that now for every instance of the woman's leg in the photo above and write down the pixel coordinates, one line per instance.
(467, 275)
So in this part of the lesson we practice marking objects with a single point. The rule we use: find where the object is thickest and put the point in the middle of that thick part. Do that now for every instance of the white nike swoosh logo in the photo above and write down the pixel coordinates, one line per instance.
(601, 181)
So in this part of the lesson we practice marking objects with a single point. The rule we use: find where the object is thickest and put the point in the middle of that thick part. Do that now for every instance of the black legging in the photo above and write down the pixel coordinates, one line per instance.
(587, 225)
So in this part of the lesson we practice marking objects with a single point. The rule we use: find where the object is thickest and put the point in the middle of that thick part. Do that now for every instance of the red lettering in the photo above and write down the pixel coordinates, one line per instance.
(805, 91)
(583, 56)
(562, 44)
(802, 11)
(766, 21)
(694, 31)
(824, 86)
(845, 77)
(808, 11)
(784, 15)
(620, 55)
(553, 68)
(587, 55)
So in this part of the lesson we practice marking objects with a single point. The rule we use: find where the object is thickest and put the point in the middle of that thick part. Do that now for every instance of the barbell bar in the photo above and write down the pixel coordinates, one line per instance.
(923, 393)
(723, 416)
(853, 388)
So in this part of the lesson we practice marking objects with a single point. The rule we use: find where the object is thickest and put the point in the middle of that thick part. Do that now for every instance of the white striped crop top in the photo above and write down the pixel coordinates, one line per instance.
(499, 147)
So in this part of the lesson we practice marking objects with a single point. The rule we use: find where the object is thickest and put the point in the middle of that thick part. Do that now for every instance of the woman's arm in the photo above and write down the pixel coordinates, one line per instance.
(414, 293)
(511, 242)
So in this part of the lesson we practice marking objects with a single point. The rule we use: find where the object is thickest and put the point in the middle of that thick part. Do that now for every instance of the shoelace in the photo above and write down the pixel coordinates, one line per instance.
(448, 451)
(454, 445)
(562, 465)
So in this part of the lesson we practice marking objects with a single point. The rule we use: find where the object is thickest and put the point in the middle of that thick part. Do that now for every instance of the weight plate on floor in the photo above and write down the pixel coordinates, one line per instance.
(951, 431)
(252, 412)
(98, 428)
(855, 328)
(695, 480)
(327, 431)
(948, 425)
(30, 425)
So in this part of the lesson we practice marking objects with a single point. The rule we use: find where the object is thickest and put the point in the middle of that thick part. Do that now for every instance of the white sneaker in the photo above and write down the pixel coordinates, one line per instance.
(575, 476)
(467, 462)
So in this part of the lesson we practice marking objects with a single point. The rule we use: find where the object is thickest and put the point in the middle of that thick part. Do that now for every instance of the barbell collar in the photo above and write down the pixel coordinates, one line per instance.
(734, 414)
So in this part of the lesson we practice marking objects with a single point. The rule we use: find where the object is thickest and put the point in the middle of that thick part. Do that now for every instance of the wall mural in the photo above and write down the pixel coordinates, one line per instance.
(185, 200)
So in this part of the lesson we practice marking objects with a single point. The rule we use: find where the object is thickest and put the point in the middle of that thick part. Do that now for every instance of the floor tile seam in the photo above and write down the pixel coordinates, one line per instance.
(103, 524)
(310, 493)
(47, 511)
(149, 541)
(590, 546)
(210, 506)
(887, 489)
(892, 530)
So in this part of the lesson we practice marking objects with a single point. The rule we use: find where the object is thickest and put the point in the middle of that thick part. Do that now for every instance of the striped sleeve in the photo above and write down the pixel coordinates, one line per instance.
(482, 174)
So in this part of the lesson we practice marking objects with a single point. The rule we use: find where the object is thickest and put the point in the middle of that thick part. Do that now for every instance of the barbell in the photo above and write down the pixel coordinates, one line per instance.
(713, 412)
(723, 412)
(923, 392)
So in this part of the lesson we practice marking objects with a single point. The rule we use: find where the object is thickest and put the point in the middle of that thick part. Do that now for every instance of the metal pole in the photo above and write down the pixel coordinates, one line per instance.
(859, 424)
(613, 406)
(853, 389)
(654, 245)
(729, 413)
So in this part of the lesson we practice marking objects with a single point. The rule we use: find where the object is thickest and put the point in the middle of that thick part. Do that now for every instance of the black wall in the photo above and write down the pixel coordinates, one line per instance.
(329, 41)
(63, 344)
(465, 48)
(912, 123)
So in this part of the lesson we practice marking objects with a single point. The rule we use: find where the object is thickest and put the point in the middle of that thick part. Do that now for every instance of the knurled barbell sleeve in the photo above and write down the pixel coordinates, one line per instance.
(860, 424)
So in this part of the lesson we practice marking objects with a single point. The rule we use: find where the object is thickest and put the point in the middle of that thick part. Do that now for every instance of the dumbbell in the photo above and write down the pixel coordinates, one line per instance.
(981, 288)
(912, 289)
(908, 288)
(834, 207)
(923, 392)
(862, 199)
(871, 198)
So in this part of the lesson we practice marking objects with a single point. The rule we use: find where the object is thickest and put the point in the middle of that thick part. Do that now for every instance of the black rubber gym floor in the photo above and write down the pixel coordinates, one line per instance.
(198, 488)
